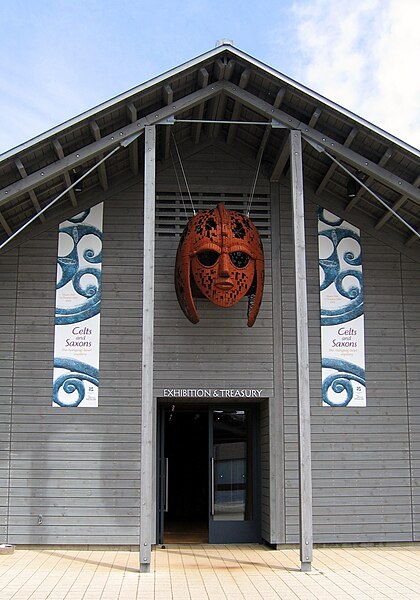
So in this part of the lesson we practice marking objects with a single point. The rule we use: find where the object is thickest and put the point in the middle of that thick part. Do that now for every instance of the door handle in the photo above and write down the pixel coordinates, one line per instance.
(212, 487)
(166, 505)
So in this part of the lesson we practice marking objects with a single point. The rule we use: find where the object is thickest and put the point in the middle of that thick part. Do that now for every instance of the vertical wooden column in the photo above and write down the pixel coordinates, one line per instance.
(304, 407)
(146, 459)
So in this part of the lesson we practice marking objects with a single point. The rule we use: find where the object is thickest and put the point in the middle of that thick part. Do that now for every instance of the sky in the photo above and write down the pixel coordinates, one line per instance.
(59, 58)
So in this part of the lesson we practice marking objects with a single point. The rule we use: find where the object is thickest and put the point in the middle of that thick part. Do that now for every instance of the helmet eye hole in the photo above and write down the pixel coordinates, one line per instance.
(208, 258)
(239, 259)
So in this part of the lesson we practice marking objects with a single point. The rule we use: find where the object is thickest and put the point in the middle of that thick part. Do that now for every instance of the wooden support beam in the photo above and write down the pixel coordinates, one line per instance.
(384, 159)
(302, 349)
(284, 152)
(220, 101)
(107, 143)
(312, 123)
(58, 149)
(243, 82)
(315, 116)
(219, 69)
(5, 225)
(277, 102)
(203, 81)
(396, 206)
(347, 143)
(133, 148)
(168, 98)
(102, 175)
(280, 162)
(213, 105)
(354, 159)
(32, 195)
(146, 442)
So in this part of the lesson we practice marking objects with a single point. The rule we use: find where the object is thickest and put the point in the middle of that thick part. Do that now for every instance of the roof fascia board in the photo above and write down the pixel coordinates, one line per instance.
(349, 156)
(89, 114)
(107, 143)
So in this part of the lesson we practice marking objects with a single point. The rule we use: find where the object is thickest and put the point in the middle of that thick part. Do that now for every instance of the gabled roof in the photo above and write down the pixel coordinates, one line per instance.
(223, 87)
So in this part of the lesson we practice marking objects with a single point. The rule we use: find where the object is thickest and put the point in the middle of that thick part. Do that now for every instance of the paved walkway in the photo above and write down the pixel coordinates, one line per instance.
(206, 572)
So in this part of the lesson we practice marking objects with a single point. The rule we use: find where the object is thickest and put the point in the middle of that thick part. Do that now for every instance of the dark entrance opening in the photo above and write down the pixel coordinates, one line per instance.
(208, 476)
(186, 494)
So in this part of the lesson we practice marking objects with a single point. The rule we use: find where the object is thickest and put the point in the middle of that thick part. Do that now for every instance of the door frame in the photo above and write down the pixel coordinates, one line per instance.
(164, 405)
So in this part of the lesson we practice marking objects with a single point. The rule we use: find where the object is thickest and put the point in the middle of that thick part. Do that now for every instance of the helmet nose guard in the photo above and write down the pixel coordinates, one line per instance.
(220, 257)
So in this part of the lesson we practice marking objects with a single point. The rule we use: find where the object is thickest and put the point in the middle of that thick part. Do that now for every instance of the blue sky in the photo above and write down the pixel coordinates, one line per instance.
(59, 58)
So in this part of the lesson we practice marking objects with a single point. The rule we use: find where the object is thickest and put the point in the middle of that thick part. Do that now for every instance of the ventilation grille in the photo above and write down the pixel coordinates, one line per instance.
(173, 212)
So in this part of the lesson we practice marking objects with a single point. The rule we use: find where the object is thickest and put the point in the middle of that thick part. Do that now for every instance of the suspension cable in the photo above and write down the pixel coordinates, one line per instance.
(179, 185)
(254, 185)
(183, 173)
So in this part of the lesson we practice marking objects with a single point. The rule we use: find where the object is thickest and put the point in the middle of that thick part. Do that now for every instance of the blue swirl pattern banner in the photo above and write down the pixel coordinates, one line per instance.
(342, 312)
(77, 310)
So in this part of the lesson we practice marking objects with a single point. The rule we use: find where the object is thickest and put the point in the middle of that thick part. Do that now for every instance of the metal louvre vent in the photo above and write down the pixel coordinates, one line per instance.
(171, 218)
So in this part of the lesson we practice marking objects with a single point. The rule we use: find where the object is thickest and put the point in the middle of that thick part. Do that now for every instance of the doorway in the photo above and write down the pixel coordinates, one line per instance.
(208, 474)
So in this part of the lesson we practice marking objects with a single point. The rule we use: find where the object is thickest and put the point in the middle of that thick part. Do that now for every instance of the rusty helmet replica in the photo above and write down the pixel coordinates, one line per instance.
(220, 257)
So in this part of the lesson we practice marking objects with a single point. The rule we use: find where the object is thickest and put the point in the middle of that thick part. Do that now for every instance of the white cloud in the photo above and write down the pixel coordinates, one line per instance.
(362, 55)
(58, 59)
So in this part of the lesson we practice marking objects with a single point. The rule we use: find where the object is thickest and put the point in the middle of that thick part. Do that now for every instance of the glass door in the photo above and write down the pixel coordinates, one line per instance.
(234, 513)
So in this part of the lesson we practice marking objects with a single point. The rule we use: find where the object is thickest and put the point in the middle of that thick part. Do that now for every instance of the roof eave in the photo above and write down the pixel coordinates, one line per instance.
(55, 131)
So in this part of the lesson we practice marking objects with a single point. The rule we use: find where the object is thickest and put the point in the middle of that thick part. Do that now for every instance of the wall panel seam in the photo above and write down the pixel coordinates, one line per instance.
(12, 392)
(407, 393)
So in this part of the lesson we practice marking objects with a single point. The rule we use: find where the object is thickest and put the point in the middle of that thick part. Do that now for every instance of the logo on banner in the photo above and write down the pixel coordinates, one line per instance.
(77, 310)
(342, 312)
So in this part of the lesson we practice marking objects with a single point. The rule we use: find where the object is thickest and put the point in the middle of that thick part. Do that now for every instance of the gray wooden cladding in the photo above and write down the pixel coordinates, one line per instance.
(80, 468)
(220, 351)
(8, 270)
(363, 459)
(74, 473)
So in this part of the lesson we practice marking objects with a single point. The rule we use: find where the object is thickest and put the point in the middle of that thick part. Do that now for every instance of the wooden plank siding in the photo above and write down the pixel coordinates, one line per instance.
(411, 289)
(220, 351)
(8, 270)
(79, 468)
(360, 456)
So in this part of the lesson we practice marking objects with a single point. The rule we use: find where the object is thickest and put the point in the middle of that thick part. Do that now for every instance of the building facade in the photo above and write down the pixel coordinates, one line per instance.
(218, 446)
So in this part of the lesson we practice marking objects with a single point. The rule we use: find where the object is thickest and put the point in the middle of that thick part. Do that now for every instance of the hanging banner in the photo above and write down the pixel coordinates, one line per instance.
(77, 310)
(342, 312)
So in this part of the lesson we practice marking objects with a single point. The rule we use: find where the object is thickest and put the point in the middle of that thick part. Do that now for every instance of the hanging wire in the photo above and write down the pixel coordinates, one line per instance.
(254, 185)
(183, 173)
(179, 185)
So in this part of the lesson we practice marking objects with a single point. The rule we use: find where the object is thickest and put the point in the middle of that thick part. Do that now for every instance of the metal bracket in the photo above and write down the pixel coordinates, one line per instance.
(168, 121)
(130, 139)
(277, 125)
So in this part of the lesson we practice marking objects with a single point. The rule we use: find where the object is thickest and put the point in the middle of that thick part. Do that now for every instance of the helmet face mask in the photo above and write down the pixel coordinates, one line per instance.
(220, 257)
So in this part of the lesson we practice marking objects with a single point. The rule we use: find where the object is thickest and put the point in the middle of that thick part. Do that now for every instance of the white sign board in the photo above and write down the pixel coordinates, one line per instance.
(77, 310)
(342, 312)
